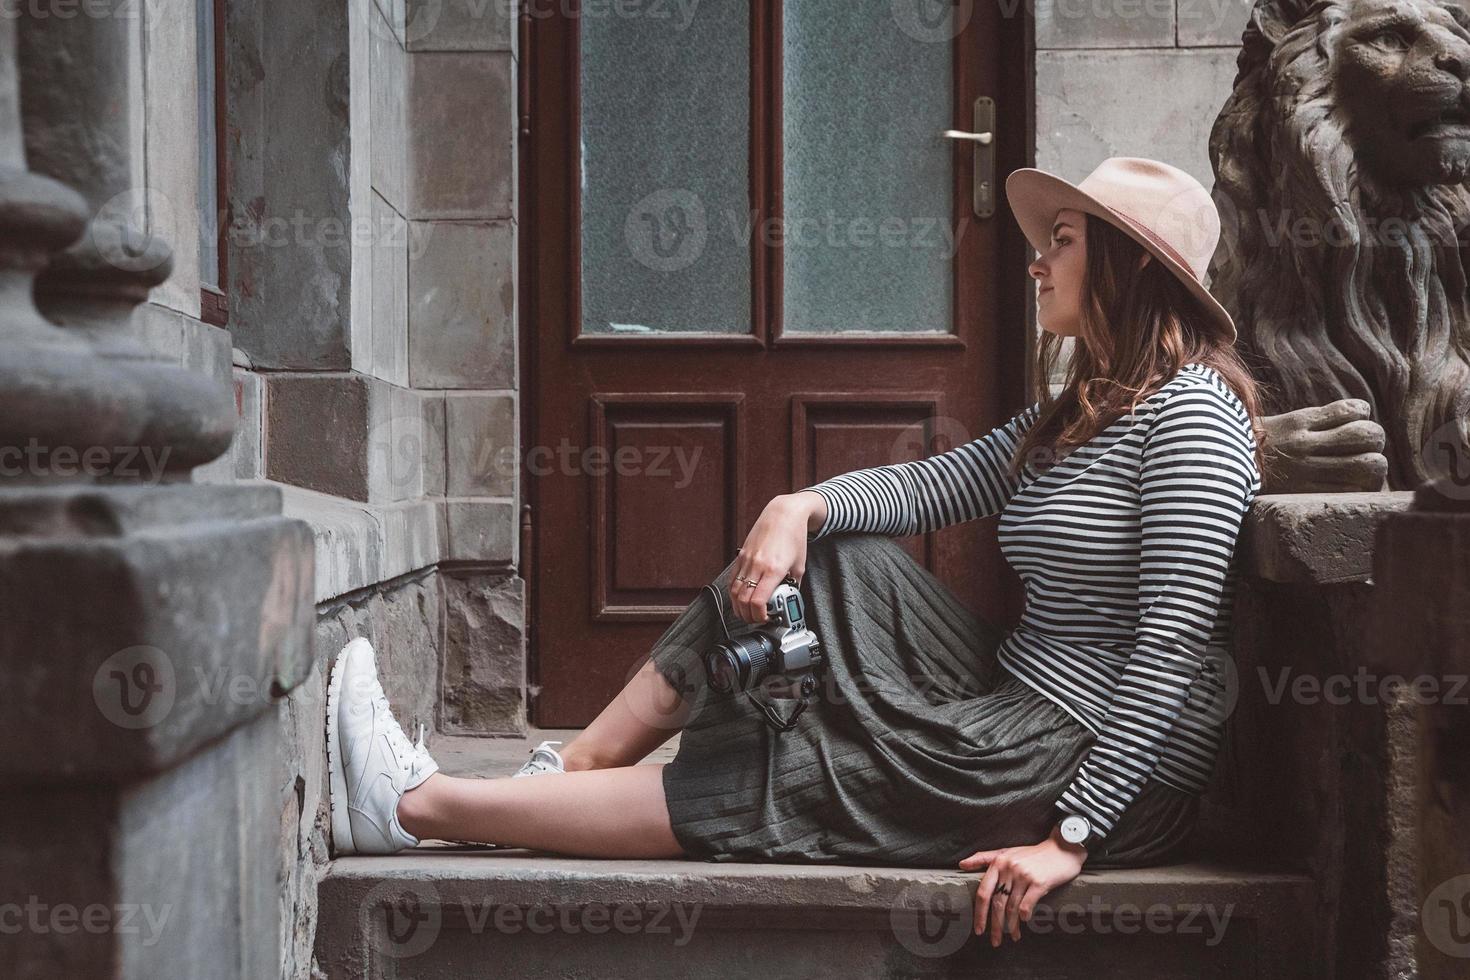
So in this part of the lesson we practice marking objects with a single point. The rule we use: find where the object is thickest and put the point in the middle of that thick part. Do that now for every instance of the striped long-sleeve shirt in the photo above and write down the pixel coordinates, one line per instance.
(1126, 549)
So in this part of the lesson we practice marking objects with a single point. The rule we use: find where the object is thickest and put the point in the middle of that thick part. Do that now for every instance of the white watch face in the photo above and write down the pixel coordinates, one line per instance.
(1074, 829)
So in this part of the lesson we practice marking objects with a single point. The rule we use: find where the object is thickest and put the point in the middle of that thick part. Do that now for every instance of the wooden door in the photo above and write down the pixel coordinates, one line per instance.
(752, 261)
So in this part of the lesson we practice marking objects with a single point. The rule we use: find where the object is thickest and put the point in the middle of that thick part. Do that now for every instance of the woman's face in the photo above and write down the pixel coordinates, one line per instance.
(1059, 272)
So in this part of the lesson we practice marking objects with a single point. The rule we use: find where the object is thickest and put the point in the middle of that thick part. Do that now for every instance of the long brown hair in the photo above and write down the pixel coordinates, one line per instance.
(1138, 328)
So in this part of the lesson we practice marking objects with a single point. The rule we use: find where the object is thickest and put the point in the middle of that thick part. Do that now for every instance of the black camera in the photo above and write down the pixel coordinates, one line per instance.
(782, 648)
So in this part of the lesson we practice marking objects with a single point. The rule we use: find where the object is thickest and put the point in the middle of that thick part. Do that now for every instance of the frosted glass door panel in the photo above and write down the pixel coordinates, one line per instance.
(868, 229)
(665, 180)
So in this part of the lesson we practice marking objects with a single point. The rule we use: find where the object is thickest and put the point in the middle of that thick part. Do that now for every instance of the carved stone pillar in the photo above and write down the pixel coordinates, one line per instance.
(53, 391)
(148, 628)
(80, 128)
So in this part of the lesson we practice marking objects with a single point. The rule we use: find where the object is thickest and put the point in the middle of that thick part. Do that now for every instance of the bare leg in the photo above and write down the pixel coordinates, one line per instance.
(646, 713)
(615, 813)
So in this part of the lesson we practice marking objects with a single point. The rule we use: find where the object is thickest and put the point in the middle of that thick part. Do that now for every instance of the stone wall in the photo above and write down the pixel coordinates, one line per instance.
(1132, 78)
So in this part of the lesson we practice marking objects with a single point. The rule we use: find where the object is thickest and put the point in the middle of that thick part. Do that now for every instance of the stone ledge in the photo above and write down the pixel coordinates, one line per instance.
(514, 875)
(153, 620)
(1316, 538)
(448, 912)
(359, 544)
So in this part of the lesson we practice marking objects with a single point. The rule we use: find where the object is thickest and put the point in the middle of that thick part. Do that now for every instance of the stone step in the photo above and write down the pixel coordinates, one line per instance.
(441, 911)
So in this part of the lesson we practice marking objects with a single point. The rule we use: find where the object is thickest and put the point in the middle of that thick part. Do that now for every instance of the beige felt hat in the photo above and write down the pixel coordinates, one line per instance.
(1161, 207)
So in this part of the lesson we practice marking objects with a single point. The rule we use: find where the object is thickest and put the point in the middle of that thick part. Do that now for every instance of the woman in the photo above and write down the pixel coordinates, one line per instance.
(933, 739)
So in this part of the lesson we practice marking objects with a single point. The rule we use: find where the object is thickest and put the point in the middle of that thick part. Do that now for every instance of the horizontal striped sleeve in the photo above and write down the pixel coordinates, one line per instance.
(1197, 479)
(899, 499)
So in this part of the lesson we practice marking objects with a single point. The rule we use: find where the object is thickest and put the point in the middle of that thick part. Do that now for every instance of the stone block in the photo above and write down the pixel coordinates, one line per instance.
(135, 881)
(1113, 24)
(200, 845)
(206, 350)
(393, 15)
(169, 615)
(245, 450)
(1081, 122)
(358, 545)
(397, 445)
(390, 294)
(480, 445)
(366, 21)
(462, 129)
(461, 25)
(484, 682)
(352, 436)
(482, 530)
(1316, 538)
(243, 461)
(1421, 562)
(317, 428)
(388, 94)
(435, 424)
(292, 254)
(160, 330)
(169, 95)
(462, 305)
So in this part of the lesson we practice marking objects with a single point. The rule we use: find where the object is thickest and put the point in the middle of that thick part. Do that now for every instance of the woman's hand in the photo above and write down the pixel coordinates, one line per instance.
(775, 548)
(1027, 873)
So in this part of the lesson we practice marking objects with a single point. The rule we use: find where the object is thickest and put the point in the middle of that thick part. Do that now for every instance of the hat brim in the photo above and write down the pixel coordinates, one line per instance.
(1036, 196)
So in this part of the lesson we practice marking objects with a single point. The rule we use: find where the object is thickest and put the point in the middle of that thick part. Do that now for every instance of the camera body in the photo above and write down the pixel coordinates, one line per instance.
(780, 648)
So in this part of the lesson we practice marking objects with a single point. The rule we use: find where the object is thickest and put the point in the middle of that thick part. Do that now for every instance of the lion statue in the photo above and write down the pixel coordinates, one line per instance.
(1340, 163)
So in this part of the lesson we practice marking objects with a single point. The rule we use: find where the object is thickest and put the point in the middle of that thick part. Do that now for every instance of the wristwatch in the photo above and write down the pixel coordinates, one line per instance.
(1077, 829)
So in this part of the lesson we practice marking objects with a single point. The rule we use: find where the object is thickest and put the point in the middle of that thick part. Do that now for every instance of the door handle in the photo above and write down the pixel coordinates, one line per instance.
(983, 137)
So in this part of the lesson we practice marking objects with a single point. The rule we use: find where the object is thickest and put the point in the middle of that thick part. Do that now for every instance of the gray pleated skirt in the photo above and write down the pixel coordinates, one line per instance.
(919, 748)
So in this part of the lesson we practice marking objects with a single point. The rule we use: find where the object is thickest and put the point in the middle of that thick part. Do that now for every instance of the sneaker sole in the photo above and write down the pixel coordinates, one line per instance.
(342, 842)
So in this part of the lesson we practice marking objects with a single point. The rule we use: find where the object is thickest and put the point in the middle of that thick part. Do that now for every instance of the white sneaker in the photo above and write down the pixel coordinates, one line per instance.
(370, 761)
(544, 759)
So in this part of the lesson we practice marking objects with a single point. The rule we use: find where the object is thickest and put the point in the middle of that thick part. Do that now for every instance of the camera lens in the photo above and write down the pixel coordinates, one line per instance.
(740, 664)
(723, 673)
